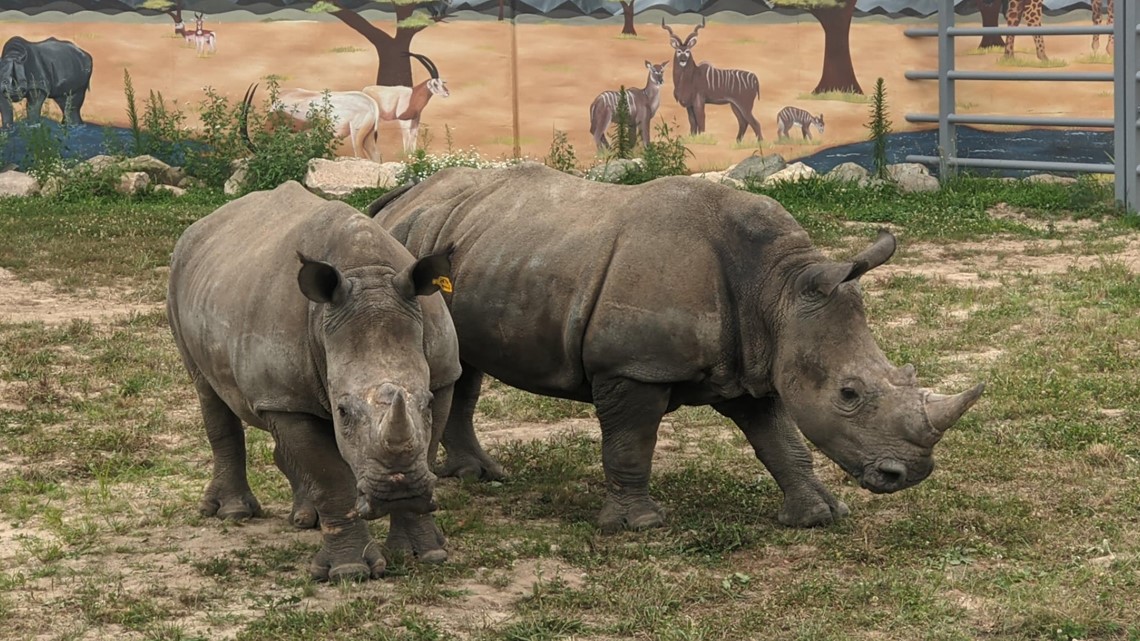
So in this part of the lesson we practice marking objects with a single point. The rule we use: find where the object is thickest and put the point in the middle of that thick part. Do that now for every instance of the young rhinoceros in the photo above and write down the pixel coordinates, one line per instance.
(675, 292)
(305, 318)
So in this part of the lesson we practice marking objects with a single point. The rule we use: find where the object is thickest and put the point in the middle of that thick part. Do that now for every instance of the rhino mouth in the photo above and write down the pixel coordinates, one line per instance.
(372, 509)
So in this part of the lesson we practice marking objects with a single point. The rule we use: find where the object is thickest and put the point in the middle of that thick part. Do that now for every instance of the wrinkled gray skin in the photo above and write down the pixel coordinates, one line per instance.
(676, 292)
(36, 71)
(305, 318)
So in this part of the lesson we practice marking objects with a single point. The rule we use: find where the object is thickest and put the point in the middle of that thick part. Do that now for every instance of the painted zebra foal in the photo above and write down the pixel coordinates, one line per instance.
(790, 116)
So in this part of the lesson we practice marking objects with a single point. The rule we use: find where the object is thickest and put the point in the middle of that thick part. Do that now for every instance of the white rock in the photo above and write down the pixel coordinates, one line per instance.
(177, 191)
(1050, 179)
(16, 183)
(912, 177)
(390, 176)
(792, 173)
(132, 182)
(235, 184)
(343, 176)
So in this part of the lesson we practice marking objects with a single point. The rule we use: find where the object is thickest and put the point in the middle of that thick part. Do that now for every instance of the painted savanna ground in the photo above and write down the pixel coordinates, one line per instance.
(563, 65)
(1028, 529)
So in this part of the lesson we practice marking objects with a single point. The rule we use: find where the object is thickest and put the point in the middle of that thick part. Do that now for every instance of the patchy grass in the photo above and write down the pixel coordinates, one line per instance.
(699, 139)
(841, 96)
(1028, 529)
(1029, 59)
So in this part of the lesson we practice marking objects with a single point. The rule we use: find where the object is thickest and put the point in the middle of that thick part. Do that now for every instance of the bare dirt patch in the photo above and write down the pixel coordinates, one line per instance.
(36, 301)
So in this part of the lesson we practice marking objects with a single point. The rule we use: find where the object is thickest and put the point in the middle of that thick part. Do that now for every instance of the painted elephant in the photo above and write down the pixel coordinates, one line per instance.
(36, 71)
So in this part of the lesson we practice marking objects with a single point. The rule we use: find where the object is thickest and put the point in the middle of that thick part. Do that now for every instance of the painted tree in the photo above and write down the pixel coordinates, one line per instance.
(835, 18)
(394, 66)
(627, 28)
(992, 12)
(172, 8)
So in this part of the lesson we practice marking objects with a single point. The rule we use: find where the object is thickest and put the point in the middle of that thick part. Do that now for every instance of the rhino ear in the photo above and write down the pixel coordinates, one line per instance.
(426, 276)
(823, 278)
(321, 282)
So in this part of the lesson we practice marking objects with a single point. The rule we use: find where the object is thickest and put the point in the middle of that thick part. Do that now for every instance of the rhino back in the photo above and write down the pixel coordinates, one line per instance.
(559, 280)
(237, 313)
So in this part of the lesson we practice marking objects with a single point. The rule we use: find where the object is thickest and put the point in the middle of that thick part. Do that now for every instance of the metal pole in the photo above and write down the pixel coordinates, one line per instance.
(947, 131)
(1127, 66)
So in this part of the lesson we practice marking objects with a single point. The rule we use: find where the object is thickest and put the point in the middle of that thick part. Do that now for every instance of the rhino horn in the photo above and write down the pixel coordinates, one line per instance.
(397, 429)
(943, 411)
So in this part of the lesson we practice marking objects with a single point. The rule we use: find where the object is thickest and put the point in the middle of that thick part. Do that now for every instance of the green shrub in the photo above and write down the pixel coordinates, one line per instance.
(879, 125)
(561, 156)
(281, 154)
(221, 140)
(422, 164)
(624, 135)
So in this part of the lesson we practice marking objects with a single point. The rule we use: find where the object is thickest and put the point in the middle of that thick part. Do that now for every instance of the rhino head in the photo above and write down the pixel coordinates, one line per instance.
(13, 81)
(864, 413)
(377, 377)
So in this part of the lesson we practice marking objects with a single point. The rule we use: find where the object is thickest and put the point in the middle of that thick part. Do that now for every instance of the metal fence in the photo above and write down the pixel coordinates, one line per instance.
(1126, 144)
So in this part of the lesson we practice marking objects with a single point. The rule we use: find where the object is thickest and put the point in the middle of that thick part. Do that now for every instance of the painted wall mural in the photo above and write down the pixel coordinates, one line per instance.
(501, 76)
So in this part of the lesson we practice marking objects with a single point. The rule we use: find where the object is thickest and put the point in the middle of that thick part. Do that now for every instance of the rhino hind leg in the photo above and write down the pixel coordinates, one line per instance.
(307, 447)
(418, 535)
(630, 413)
(228, 496)
(465, 456)
(779, 446)
(304, 513)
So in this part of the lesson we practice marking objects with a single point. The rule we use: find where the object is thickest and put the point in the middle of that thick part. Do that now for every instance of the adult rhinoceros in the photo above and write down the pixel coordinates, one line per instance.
(305, 318)
(675, 292)
(36, 71)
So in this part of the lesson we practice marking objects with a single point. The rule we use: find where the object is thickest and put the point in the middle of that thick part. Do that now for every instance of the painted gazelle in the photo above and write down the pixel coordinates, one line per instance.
(205, 40)
(696, 85)
(642, 103)
(405, 105)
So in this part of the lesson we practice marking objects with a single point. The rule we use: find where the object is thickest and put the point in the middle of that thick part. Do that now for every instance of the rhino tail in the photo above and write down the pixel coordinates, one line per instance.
(386, 199)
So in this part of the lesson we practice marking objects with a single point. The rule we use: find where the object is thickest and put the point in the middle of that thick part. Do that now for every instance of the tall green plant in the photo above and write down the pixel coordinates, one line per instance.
(132, 111)
(625, 133)
(879, 125)
(561, 156)
(282, 154)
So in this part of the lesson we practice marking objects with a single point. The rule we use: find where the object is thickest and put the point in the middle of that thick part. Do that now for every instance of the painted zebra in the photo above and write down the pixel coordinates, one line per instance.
(789, 116)
(697, 85)
(642, 103)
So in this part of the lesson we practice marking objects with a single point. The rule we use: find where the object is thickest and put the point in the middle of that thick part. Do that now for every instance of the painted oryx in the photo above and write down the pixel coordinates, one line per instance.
(696, 85)
(405, 104)
(642, 103)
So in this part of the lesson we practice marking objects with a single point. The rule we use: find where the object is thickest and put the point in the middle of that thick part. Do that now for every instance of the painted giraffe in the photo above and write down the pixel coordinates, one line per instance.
(1109, 16)
(1031, 10)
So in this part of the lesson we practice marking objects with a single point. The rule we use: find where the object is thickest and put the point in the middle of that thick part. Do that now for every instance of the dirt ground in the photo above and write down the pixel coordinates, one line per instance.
(561, 68)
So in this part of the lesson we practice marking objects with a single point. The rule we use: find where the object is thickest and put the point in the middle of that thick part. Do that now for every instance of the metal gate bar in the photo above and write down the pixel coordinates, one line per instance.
(1125, 123)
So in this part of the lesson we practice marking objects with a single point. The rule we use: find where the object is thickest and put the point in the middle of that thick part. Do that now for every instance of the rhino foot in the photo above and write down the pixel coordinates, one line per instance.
(303, 516)
(812, 510)
(633, 514)
(347, 554)
(230, 506)
(468, 466)
(418, 535)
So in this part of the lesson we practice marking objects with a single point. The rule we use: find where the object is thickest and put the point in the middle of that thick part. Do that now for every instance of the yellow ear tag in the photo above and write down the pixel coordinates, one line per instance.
(444, 284)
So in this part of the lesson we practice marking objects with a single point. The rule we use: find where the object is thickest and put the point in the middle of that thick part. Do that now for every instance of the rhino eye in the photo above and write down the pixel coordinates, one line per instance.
(849, 395)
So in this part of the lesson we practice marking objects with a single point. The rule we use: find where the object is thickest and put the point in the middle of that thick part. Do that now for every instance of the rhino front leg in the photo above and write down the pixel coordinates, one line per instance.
(418, 535)
(304, 513)
(779, 446)
(465, 456)
(228, 495)
(630, 413)
(307, 446)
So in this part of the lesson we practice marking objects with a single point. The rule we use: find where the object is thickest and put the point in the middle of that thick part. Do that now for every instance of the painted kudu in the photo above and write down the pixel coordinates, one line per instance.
(696, 85)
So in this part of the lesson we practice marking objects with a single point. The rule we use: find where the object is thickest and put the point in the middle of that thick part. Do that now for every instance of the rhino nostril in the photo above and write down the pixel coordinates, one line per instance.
(892, 472)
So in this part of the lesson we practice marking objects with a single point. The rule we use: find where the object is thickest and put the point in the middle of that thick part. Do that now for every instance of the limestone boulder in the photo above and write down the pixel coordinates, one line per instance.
(19, 184)
(794, 172)
(912, 177)
(757, 168)
(340, 177)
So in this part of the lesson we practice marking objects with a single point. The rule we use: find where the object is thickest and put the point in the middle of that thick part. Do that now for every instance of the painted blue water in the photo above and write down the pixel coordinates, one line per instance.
(78, 142)
(1033, 144)
(84, 141)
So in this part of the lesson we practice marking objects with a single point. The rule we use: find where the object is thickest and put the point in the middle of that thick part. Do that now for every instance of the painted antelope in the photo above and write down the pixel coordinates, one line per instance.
(354, 115)
(642, 103)
(696, 85)
(405, 104)
(206, 40)
(790, 116)
(1109, 17)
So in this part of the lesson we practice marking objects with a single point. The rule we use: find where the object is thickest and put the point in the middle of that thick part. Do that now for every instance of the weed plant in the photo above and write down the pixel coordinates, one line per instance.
(879, 126)
(281, 154)
(561, 156)
(624, 134)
